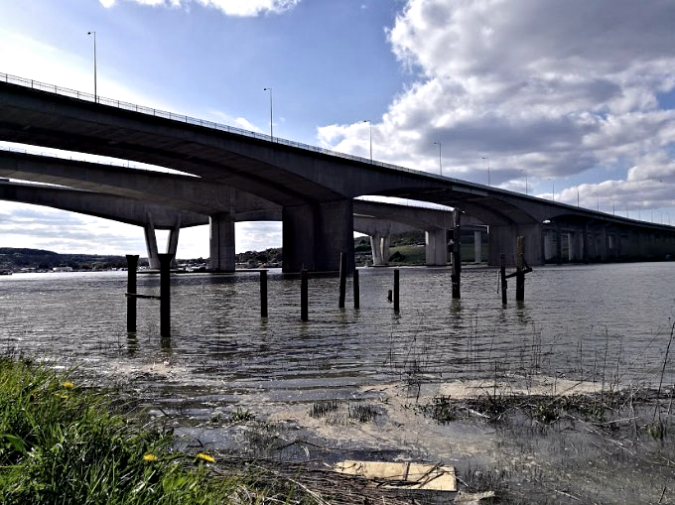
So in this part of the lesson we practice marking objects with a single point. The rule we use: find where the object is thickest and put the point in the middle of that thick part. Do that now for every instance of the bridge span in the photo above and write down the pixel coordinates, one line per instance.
(315, 188)
(378, 220)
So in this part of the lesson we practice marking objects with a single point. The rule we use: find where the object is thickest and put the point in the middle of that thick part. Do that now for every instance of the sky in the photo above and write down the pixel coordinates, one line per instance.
(572, 100)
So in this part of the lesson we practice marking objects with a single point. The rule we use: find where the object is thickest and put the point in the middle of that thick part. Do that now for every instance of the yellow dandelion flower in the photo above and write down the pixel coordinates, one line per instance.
(149, 457)
(68, 385)
(205, 457)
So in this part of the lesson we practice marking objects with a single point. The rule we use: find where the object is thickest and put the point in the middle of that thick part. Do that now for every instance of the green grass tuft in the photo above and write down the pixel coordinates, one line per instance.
(62, 444)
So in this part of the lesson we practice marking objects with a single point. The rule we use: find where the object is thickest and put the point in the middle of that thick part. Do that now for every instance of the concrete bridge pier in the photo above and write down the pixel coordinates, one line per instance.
(221, 242)
(386, 239)
(315, 234)
(502, 239)
(558, 243)
(477, 246)
(376, 249)
(172, 244)
(151, 244)
(436, 247)
(379, 247)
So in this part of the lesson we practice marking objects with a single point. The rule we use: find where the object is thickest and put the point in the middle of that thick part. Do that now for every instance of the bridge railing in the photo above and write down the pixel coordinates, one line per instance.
(81, 95)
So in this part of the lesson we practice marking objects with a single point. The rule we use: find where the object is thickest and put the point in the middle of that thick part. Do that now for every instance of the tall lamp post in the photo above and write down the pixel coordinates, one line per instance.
(271, 117)
(525, 174)
(440, 157)
(487, 159)
(370, 137)
(95, 83)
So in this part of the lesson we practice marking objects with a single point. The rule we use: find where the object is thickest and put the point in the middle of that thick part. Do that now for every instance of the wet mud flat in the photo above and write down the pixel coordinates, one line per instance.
(512, 440)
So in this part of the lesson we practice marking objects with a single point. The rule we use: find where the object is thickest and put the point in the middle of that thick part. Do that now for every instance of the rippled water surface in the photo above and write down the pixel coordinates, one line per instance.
(602, 322)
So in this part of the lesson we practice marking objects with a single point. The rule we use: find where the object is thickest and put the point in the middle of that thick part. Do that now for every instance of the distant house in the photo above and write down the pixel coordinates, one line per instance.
(62, 269)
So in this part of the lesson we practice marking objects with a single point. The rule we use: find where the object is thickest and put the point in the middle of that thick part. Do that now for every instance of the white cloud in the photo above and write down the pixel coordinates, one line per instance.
(241, 8)
(550, 88)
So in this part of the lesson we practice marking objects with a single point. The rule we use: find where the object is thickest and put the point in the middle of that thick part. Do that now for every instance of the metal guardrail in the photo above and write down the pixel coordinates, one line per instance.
(81, 95)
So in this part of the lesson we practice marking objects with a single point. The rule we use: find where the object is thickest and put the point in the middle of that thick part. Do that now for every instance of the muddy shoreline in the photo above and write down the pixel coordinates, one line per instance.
(527, 439)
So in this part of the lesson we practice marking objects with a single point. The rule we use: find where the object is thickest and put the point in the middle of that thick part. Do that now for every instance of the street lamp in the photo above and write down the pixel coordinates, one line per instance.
(95, 90)
(370, 136)
(525, 174)
(488, 167)
(553, 184)
(440, 157)
(271, 129)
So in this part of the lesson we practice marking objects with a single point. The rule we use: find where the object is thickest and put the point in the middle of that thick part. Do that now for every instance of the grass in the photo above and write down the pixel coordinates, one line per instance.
(63, 444)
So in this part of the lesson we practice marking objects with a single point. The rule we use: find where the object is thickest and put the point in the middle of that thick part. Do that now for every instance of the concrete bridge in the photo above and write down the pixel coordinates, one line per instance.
(315, 188)
(378, 220)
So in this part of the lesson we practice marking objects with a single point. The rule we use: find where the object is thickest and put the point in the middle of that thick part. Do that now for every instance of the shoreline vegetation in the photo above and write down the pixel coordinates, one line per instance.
(61, 443)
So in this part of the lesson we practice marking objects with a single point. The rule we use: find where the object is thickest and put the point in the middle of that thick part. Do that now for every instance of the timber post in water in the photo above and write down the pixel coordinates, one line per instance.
(456, 257)
(357, 294)
(343, 280)
(502, 262)
(396, 290)
(263, 293)
(520, 270)
(132, 266)
(304, 296)
(165, 295)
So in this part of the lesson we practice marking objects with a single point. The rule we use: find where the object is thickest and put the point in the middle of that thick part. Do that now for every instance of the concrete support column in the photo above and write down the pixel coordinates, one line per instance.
(502, 239)
(436, 247)
(172, 244)
(603, 244)
(547, 238)
(576, 246)
(151, 245)
(584, 244)
(478, 246)
(376, 250)
(314, 235)
(221, 242)
(558, 244)
(386, 239)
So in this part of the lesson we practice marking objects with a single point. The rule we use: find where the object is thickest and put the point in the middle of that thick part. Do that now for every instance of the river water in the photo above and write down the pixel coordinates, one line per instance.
(576, 320)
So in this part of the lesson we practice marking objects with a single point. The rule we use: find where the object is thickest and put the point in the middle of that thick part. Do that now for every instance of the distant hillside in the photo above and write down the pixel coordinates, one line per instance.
(15, 259)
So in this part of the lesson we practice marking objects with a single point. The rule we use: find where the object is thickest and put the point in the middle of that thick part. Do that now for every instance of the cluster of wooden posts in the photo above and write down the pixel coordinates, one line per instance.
(165, 287)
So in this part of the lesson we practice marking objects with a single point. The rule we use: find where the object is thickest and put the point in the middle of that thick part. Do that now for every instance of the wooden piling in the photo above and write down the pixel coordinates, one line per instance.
(304, 296)
(343, 280)
(456, 256)
(520, 273)
(165, 295)
(357, 294)
(396, 290)
(263, 293)
(132, 267)
(502, 262)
